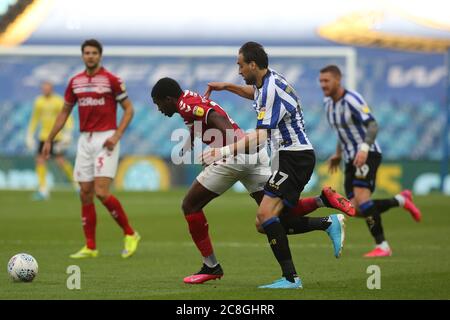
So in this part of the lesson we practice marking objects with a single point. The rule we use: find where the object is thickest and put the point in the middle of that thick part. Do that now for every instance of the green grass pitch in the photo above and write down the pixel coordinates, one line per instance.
(51, 230)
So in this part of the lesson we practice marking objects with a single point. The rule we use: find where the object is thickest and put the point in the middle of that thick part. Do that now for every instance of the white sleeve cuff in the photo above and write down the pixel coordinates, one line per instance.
(364, 147)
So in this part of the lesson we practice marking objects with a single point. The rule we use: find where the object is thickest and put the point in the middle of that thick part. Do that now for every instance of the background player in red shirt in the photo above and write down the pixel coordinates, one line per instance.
(97, 91)
(218, 177)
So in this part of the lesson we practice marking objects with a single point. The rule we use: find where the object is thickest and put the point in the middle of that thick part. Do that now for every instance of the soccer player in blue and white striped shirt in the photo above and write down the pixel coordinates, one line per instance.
(349, 115)
(280, 117)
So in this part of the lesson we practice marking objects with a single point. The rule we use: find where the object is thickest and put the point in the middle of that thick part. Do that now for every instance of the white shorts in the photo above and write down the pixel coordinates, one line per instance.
(220, 176)
(94, 160)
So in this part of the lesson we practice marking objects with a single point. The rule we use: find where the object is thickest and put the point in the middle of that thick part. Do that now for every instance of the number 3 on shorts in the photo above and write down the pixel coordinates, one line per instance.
(283, 175)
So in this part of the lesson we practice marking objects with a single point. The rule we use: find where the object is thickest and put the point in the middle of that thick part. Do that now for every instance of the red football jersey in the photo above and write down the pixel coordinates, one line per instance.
(97, 98)
(193, 107)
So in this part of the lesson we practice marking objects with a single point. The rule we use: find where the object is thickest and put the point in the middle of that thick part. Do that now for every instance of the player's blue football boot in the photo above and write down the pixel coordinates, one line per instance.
(336, 232)
(284, 284)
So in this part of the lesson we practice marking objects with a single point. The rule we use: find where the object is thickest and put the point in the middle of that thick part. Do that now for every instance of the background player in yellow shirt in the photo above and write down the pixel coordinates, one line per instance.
(46, 108)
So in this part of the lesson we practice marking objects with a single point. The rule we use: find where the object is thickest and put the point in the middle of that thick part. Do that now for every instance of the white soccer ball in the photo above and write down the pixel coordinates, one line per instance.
(23, 267)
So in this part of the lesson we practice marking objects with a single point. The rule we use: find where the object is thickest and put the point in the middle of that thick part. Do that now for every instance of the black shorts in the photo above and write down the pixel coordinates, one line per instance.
(52, 151)
(288, 182)
(364, 177)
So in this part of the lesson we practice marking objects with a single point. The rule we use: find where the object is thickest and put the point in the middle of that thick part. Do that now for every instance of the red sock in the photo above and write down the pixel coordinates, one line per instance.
(198, 227)
(304, 206)
(89, 219)
(115, 208)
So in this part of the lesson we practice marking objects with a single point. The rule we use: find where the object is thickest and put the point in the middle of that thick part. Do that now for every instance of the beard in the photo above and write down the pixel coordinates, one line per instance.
(331, 93)
(250, 80)
(92, 66)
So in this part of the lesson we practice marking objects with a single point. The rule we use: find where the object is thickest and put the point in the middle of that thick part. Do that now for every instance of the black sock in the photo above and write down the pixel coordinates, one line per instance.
(280, 246)
(325, 200)
(373, 220)
(297, 225)
(385, 204)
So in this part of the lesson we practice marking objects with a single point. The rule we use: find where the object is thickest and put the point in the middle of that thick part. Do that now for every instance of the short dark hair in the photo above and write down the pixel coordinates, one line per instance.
(92, 43)
(333, 69)
(253, 51)
(166, 87)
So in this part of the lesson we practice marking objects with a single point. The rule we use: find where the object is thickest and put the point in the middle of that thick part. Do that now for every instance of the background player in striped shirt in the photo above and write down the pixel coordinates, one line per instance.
(349, 115)
(97, 92)
(279, 117)
(46, 108)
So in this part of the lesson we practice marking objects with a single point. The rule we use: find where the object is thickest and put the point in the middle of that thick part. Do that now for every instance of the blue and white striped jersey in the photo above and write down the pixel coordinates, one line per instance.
(278, 108)
(348, 117)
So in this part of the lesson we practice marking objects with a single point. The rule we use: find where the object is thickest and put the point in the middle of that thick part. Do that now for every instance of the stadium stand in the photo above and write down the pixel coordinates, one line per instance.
(420, 137)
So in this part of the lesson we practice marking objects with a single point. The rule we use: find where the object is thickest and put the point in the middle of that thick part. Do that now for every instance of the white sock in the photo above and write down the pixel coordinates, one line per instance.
(384, 245)
(400, 199)
(210, 261)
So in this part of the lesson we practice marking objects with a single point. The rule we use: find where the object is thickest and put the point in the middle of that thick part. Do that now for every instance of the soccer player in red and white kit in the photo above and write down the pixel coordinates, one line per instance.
(97, 91)
(252, 169)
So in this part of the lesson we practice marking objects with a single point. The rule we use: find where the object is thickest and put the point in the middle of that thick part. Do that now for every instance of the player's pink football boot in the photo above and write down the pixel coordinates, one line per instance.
(410, 206)
(337, 201)
(378, 253)
(205, 274)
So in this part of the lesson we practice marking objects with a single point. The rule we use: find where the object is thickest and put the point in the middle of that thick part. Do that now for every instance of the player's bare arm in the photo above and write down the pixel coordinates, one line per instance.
(128, 109)
(335, 160)
(361, 156)
(220, 122)
(244, 145)
(59, 124)
(243, 91)
(214, 120)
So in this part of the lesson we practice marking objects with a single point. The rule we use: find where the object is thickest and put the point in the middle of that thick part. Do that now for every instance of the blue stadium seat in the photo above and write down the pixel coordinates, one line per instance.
(150, 131)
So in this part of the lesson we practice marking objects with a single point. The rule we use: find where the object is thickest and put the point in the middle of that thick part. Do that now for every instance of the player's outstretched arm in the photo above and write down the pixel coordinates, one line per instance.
(243, 91)
(248, 142)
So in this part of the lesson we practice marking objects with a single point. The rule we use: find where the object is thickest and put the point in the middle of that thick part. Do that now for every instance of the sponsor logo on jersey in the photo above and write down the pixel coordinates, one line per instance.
(91, 102)
(198, 111)
(366, 109)
(261, 114)
(288, 89)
